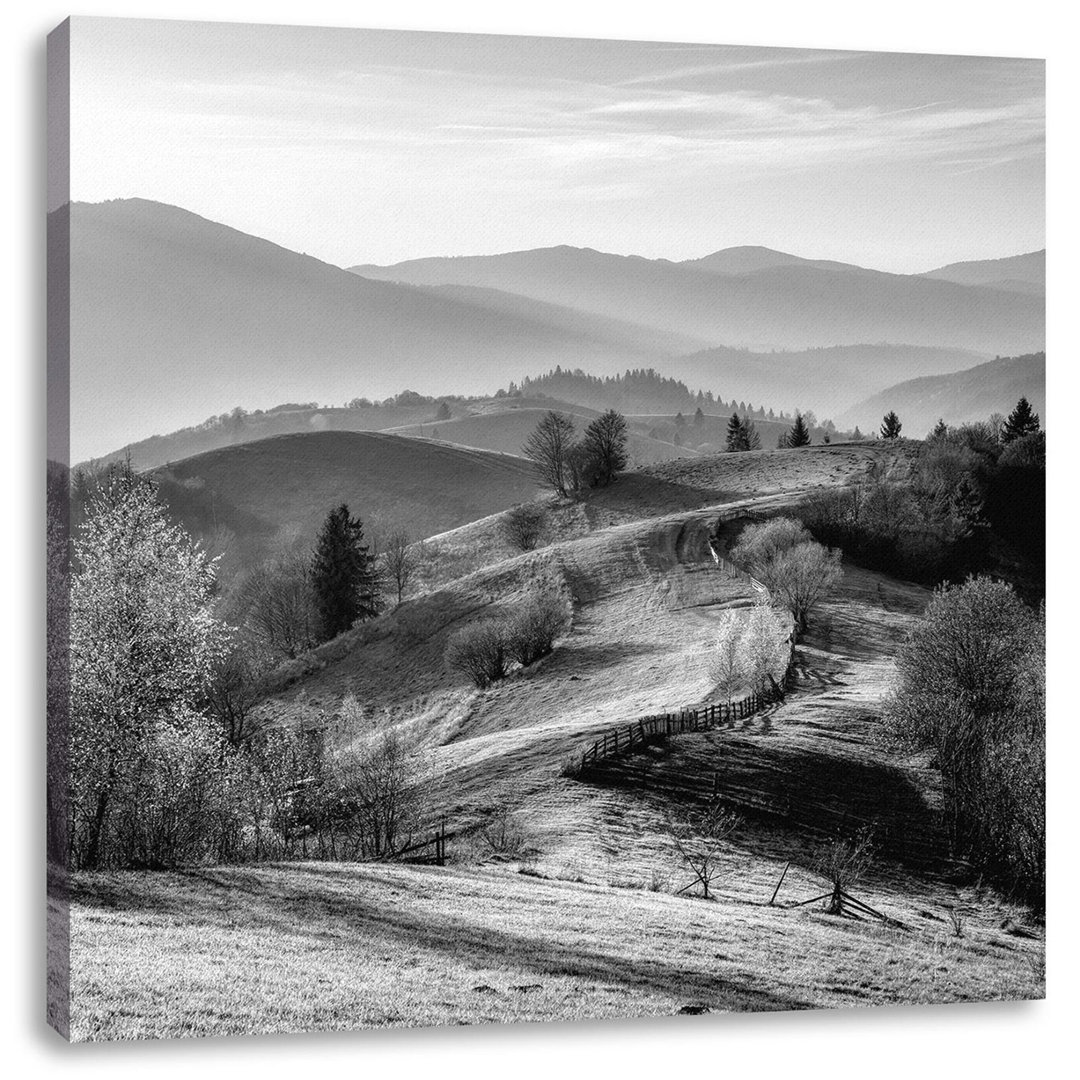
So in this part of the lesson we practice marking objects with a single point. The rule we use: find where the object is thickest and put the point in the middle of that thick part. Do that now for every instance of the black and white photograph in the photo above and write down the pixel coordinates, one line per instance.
(539, 529)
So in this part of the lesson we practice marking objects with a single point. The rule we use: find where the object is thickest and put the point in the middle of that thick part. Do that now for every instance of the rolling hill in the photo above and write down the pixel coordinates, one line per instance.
(276, 491)
(972, 394)
(174, 318)
(506, 431)
(1018, 273)
(791, 306)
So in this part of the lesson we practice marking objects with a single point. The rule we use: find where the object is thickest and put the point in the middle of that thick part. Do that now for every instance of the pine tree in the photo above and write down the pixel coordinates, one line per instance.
(1022, 421)
(940, 432)
(890, 426)
(443, 411)
(799, 435)
(735, 434)
(750, 435)
(342, 574)
(699, 417)
(857, 435)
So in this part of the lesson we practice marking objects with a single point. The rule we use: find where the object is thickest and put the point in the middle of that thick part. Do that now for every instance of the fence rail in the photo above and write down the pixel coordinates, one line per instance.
(623, 739)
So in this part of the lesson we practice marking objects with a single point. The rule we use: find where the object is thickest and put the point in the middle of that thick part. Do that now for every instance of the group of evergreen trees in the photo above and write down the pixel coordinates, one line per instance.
(742, 435)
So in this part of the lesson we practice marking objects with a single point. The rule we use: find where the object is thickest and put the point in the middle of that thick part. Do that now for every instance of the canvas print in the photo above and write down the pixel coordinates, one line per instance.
(539, 529)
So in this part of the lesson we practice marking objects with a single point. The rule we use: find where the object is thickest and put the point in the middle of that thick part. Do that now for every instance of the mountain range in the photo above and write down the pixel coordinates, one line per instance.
(174, 318)
(781, 303)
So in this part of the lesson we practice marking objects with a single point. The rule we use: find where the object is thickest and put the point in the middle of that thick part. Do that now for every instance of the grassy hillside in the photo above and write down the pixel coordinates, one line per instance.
(584, 917)
(972, 394)
(507, 431)
(276, 490)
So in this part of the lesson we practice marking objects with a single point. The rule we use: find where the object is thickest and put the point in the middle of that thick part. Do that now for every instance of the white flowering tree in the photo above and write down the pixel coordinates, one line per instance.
(143, 645)
(727, 664)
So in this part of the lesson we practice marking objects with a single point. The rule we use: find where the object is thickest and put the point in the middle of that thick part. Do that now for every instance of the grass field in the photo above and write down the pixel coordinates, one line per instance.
(316, 946)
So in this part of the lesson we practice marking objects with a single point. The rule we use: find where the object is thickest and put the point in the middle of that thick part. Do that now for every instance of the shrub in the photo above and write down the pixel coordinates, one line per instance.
(972, 693)
(479, 651)
(843, 862)
(504, 833)
(524, 525)
(534, 626)
(758, 545)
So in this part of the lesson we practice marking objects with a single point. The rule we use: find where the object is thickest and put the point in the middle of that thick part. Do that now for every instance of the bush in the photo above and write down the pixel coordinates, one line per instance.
(801, 577)
(797, 570)
(479, 651)
(758, 545)
(843, 862)
(972, 693)
(534, 626)
(523, 526)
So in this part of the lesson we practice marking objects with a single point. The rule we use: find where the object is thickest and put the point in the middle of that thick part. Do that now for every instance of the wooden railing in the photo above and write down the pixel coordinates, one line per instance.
(622, 740)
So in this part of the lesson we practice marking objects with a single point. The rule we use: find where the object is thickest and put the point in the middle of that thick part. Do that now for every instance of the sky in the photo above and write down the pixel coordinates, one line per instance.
(379, 146)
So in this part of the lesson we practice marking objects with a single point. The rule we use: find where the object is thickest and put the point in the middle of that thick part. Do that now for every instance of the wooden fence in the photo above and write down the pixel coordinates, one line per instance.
(622, 740)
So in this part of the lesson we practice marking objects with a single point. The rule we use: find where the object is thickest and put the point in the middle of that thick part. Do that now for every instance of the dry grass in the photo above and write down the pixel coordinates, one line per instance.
(314, 947)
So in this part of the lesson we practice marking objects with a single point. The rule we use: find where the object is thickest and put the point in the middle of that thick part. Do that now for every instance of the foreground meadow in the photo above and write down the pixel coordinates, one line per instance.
(333, 946)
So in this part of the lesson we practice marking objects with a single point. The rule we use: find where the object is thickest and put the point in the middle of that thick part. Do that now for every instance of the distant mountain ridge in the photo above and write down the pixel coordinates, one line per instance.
(1018, 273)
(972, 394)
(783, 302)
(827, 380)
(174, 318)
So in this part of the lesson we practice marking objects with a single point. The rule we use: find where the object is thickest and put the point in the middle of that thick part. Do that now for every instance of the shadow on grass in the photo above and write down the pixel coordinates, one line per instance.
(809, 792)
(363, 907)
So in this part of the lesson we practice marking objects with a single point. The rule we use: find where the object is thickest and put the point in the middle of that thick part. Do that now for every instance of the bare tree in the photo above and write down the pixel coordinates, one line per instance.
(279, 603)
(843, 862)
(605, 444)
(802, 576)
(700, 837)
(236, 686)
(547, 448)
(400, 561)
(523, 526)
(727, 662)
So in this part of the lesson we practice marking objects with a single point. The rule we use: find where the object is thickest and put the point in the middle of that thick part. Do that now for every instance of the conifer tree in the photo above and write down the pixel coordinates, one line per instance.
(342, 574)
(1022, 421)
(799, 435)
(890, 426)
(735, 434)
